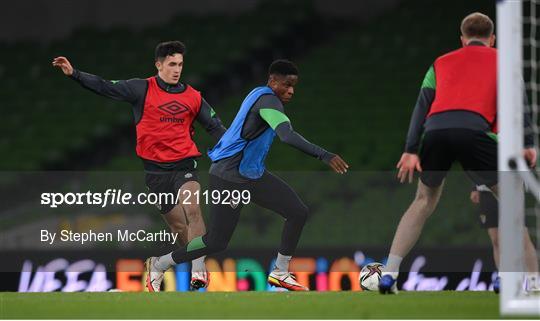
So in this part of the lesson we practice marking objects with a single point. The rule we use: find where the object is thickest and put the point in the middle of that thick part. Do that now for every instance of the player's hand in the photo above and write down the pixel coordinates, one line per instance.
(475, 197)
(406, 165)
(338, 165)
(530, 156)
(64, 64)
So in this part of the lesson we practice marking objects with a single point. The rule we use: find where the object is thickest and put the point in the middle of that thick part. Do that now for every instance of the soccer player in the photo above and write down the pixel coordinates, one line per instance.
(238, 163)
(489, 219)
(454, 120)
(164, 110)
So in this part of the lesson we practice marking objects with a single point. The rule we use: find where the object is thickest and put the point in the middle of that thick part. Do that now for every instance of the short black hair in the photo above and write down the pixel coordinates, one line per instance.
(169, 48)
(282, 67)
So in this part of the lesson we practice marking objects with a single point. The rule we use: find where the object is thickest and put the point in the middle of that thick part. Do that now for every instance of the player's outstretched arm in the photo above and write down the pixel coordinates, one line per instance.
(283, 128)
(287, 135)
(122, 90)
(208, 118)
(271, 110)
(63, 64)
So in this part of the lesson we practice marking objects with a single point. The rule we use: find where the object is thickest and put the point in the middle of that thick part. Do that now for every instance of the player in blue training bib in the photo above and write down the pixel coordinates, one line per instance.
(238, 164)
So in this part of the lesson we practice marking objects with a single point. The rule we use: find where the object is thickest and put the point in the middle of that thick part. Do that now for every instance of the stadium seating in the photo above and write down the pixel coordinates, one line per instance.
(49, 116)
(355, 98)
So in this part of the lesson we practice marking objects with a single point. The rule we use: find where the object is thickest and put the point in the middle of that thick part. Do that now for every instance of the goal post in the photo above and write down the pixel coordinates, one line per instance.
(512, 167)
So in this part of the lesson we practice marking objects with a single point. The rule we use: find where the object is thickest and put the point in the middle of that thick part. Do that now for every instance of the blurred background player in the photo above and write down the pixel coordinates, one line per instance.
(488, 207)
(164, 110)
(454, 120)
(238, 163)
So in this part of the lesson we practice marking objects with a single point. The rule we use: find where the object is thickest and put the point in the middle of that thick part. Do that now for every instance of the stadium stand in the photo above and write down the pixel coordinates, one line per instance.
(355, 97)
(48, 118)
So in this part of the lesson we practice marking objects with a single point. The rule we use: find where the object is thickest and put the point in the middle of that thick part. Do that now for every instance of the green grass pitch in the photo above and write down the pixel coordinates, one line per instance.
(253, 305)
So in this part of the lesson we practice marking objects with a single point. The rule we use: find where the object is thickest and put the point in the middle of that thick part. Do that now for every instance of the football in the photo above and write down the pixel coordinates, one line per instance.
(370, 276)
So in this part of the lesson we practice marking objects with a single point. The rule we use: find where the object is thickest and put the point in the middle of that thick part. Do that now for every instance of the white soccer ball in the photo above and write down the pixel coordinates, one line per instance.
(370, 276)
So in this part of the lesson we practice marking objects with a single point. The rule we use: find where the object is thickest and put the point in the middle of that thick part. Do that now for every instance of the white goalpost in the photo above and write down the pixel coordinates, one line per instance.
(513, 171)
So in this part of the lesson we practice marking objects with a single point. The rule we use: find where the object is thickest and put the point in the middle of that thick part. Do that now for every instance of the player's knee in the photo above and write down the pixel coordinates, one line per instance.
(426, 201)
(193, 212)
(301, 212)
(421, 200)
(178, 227)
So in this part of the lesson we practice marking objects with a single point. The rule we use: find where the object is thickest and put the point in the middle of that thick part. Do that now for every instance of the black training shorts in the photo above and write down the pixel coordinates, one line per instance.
(475, 150)
(170, 182)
